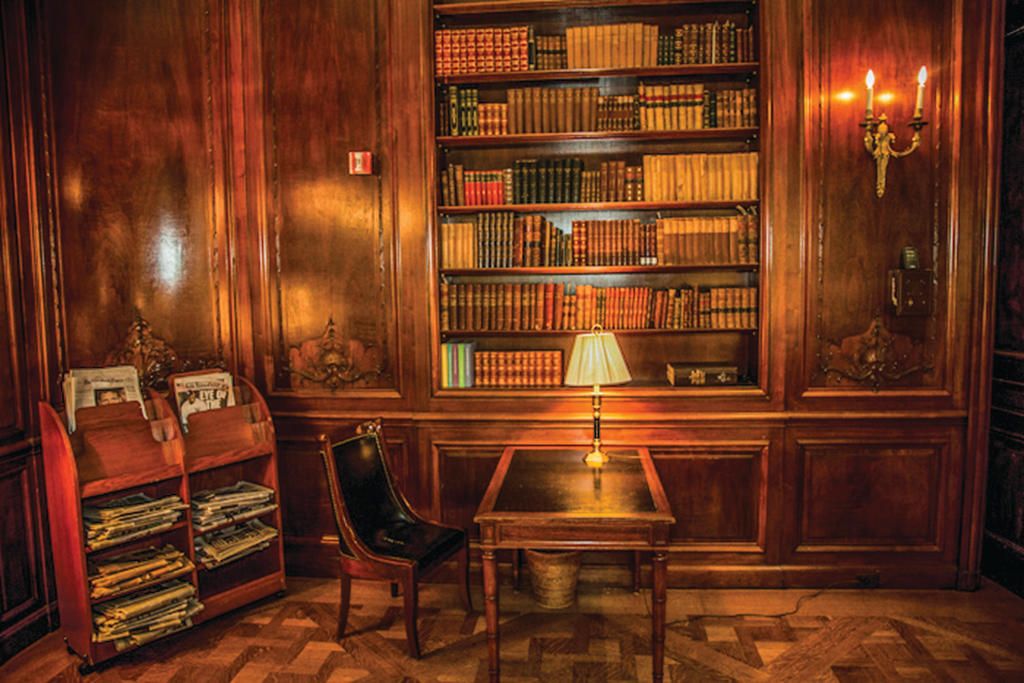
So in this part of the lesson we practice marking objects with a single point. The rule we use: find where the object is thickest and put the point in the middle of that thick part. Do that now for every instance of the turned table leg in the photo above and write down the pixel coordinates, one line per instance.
(491, 611)
(658, 566)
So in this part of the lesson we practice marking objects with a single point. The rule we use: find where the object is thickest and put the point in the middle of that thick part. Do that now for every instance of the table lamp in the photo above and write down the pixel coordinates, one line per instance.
(596, 360)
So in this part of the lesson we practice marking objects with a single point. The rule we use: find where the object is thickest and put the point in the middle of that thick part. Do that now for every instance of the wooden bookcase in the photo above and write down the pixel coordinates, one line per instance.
(647, 350)
(115, 452)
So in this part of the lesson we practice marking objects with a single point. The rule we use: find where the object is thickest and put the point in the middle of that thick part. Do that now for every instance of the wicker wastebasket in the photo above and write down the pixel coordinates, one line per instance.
(553, 574)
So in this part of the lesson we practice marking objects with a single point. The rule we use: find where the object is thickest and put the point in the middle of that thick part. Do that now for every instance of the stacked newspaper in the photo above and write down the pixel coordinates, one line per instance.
(233, 543)
(135, 568)
(124, 519)
(87, 387)
(147, 615)
(229, 503)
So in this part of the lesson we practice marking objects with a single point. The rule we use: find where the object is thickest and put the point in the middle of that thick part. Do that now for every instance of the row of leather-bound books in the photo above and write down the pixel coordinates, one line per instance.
(664, 177)
(537, 306)
(504, 240)
(484, 50)
(653, 107)
(505, 369)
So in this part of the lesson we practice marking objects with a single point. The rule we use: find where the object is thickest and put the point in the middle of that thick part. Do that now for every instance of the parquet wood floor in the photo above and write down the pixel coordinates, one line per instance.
(879, 635)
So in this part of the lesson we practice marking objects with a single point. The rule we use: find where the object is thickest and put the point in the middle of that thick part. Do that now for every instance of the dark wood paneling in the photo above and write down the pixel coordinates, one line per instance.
(857, 493)
(134, 182)
(332, 234)
(853, 238)
(464, 473)
(718, 493)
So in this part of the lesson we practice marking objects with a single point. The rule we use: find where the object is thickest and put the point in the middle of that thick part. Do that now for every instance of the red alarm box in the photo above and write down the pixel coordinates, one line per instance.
(360, 163)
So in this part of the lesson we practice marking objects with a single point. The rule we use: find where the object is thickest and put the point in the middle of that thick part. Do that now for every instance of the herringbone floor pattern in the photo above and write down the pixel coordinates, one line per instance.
(838, 636)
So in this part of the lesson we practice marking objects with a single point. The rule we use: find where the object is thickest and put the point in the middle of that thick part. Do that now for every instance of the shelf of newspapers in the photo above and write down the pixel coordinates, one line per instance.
(222, 421)
(120, 524)
(231, 465)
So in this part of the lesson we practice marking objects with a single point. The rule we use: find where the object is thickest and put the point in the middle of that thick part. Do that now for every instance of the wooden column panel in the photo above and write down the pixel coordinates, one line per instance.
(853, 343)
(463, 475)
(23, 597)
(134, 175)
(331, 235)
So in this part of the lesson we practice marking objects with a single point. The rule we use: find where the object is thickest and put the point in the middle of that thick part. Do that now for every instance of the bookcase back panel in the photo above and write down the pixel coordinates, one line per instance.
(332, 234)
(137, 193)
(854, 237)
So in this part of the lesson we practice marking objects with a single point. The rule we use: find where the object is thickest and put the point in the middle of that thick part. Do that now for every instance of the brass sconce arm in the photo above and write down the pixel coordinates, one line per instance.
(879, 141)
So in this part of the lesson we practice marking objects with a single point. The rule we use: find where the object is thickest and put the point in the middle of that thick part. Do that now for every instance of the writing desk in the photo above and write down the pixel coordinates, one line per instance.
(546, 497)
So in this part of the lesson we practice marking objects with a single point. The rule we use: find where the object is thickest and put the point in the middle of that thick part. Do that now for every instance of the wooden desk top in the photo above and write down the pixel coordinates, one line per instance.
(554, 483)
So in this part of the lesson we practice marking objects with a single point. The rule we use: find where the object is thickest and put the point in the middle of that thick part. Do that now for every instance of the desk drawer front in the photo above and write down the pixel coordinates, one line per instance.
(575, 534)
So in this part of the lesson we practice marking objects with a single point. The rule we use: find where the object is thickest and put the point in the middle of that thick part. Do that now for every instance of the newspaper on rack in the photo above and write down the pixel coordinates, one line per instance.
(239, 501)
(135, 568)
(146, 615)
(86, 387)
(233, 543)
(130, 517)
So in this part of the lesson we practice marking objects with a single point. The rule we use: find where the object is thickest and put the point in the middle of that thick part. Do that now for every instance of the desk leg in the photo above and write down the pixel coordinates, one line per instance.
(491, 610)
(658, 565)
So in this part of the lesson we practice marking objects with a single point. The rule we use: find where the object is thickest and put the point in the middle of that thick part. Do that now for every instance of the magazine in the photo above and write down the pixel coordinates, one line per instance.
(201, 392)
(87, 387)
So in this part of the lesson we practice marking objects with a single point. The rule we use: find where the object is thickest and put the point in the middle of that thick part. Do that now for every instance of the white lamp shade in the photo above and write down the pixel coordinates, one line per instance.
(596, 359)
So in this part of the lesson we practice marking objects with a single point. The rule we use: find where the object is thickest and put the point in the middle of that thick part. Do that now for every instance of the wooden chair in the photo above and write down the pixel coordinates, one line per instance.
(380, 536)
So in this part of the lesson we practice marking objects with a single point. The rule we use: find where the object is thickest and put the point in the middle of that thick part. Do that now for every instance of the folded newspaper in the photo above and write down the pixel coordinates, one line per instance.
(233, 543)
(125, 571)
(87, 387)
(201, 392)
(130, 517)
(146, 615)
(239, 501)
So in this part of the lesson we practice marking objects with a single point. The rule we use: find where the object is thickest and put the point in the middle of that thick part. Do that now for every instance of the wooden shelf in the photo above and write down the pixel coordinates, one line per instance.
(702, 70)
(180, 524)
(143, 586)
(452, 9)
(702, 134)
(556, 333)
(599, 206)
(129, 480)
(226, 455)
(631, 390)
(601, 270)
(238, 520)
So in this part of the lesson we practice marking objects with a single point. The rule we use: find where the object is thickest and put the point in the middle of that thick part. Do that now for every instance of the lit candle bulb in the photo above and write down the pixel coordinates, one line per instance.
(922, 76)
(870, 83)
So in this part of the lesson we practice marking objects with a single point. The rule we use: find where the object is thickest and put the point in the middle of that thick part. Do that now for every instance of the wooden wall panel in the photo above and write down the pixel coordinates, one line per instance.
(851, 338)
(463, 475)
(718, 493)
(858, 492)
(134, 182)
(332, 235)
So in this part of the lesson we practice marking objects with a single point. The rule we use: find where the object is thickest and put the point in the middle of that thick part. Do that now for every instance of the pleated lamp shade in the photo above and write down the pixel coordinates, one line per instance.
(596, 359)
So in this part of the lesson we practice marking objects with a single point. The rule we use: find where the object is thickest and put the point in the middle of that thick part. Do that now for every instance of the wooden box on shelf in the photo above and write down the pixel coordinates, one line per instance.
(115, 451)
(223, 447)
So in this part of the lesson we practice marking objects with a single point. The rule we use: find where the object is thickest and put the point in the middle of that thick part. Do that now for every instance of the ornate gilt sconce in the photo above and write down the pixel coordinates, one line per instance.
(879, 139)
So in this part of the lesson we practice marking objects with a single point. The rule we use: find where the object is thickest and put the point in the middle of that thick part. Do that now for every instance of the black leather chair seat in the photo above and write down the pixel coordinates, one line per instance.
(421, 543)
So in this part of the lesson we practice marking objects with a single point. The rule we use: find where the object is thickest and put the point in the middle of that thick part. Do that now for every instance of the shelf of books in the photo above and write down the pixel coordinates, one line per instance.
(128, 518)
(597, 164)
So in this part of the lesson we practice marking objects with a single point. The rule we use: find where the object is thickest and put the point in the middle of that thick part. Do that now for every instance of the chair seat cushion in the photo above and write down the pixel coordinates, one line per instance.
(424, 544)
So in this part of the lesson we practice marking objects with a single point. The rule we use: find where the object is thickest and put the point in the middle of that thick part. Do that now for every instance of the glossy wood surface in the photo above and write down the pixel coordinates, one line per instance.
(209, 142)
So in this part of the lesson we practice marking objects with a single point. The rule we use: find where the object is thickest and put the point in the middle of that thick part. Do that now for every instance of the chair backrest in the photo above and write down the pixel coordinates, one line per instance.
(362, 495)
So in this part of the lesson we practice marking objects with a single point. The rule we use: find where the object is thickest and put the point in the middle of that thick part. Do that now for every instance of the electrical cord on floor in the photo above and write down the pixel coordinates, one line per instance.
(777, 615)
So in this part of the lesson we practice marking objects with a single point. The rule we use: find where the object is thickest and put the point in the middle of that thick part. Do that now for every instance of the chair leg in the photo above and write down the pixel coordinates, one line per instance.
(517, 568)
(410, 596)
(463, 578)
(636, 571)
(394, 589)
(346, 599)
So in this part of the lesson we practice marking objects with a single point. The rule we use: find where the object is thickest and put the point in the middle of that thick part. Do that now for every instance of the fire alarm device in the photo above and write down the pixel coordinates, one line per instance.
(360, 163)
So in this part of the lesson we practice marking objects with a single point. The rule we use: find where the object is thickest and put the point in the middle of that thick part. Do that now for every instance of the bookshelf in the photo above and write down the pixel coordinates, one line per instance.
(679, 98)
(115, 451)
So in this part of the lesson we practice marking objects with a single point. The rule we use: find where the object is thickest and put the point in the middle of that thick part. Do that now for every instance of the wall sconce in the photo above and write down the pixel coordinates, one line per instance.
(879, 140)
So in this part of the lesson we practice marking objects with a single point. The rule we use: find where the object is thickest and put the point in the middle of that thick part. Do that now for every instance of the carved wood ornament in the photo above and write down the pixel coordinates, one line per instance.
(154, 358)
(332, 362)
(875, 357)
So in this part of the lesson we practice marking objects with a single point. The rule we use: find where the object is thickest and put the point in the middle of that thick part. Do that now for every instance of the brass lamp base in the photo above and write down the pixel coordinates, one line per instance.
(596, 457)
